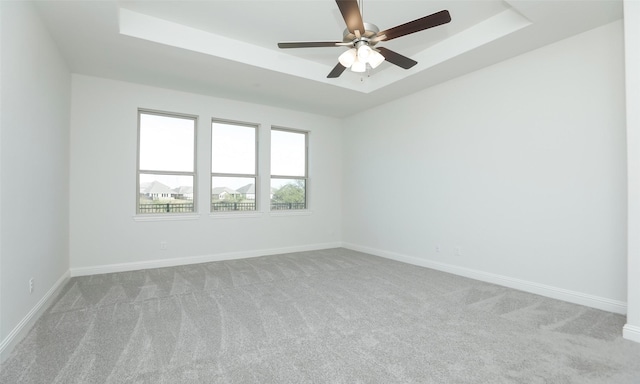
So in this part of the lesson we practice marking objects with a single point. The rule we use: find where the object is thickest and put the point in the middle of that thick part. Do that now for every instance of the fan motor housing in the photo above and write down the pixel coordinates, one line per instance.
(370, 31)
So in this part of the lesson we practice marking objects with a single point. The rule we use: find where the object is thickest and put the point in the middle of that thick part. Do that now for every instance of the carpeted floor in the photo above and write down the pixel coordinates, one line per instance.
(331, 316)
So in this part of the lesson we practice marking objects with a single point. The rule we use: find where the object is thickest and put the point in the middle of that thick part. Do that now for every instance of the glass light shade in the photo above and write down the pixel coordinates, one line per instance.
(364, 51)
(375, 59)
(347, 58)
(359, 66)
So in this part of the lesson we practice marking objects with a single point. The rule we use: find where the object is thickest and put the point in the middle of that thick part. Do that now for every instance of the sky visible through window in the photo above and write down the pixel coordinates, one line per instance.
(233, 149)
(288, 153)
(166, 145)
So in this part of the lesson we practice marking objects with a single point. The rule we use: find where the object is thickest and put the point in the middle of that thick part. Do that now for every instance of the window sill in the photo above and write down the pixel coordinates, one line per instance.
(235, 215)
(166, 217)
(295, 212)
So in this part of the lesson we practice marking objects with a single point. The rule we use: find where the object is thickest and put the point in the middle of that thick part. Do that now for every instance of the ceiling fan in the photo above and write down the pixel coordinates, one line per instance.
(362, 38)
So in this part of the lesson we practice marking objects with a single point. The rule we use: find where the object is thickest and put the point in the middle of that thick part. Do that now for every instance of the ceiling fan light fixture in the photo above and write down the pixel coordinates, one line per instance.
(364, 52)
(375, 59)
(359, 66)
(347, 58)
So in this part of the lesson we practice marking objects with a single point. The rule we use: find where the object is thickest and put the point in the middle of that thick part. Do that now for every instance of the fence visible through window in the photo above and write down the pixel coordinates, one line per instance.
(168, 207)
(217, 207)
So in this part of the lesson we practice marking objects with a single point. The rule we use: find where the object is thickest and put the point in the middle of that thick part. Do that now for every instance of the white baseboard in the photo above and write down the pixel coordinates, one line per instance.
(631, 332)
(24, 326)
(160, 263)
(575, 297)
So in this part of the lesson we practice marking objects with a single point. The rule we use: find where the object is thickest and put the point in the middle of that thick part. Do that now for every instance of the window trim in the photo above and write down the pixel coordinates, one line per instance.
(306, 134)
(255, 176)
(193, 174)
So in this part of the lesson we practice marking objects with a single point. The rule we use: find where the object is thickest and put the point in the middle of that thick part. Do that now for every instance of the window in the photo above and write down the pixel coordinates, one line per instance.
(166, 163)
(288, 169)
(233, 166)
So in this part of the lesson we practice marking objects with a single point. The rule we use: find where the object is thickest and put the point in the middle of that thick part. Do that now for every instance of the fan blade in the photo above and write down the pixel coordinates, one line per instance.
(417, 25)
(396, 58)
(310, 44)
(336, 71)
(351, 15)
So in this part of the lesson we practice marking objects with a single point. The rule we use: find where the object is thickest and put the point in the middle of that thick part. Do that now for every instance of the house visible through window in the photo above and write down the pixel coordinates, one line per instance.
(166, 163)
(288, 169)
(233, 166)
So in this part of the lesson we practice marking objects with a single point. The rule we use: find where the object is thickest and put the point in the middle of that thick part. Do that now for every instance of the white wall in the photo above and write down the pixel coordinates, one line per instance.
(632, 69)
(34, 154)
(521, 165)
(105, 236)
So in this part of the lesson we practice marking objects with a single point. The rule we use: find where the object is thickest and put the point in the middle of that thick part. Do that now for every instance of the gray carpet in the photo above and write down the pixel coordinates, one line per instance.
(332, 316)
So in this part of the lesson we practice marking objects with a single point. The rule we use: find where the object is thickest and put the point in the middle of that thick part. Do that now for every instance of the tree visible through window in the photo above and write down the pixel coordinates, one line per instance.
(233, 166)
(166, 163)
(288, 169)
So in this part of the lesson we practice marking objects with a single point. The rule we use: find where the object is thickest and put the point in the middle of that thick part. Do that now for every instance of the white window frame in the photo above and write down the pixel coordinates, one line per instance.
(306, 172)
(193, 174)
(255, 175)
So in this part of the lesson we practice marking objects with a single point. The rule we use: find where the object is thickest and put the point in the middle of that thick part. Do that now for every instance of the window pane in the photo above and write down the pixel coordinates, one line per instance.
(233, 149)
(288, 153)
(165, 193)
(288, 194)
(166, 143)
(233, 193)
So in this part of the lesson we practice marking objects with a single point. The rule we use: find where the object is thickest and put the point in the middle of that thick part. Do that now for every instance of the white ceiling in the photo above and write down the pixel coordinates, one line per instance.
(228, 48)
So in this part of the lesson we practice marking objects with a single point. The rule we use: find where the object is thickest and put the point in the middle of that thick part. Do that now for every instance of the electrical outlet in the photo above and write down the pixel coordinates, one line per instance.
(437, 249)
(458, 251)
(163, 245)
(31, 285)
